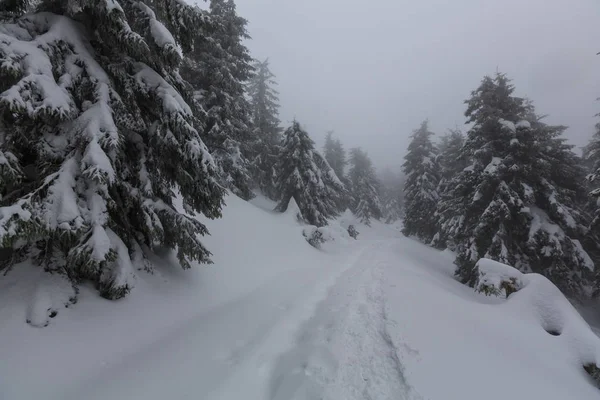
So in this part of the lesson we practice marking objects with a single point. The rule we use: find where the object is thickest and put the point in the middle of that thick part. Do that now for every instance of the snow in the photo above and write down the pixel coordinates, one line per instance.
(149, 80)
(380, 317)
(62, 210)
(523, 124)
(161, 35)
(492, 167)
(528, 191)
(7, 213)
(537, 299)
(508, 125)
(469, 168)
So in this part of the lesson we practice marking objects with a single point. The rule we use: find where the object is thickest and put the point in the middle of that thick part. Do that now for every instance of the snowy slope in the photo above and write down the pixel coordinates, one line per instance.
(274, 318)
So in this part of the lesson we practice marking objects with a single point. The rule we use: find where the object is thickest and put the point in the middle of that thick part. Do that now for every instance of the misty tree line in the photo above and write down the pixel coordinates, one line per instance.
(511, 189)
(121, 120)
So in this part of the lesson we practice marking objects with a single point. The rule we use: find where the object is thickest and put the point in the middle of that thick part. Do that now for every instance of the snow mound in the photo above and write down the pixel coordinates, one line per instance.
(43, 294)
(497, 279)
(534, 297)
(330, 233)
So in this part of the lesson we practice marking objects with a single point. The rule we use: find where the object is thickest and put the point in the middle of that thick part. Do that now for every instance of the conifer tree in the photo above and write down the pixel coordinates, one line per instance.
(449, 158)
(264, 103)
(517, 202)
(451, 163)
(306, 177)
(96, 137)
(335, 154)
(592, 165)
(364, 187)
(420, 188)
(218, 68)
(392, 195)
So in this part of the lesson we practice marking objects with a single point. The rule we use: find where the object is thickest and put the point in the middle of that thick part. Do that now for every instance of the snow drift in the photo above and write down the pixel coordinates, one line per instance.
(533, 297)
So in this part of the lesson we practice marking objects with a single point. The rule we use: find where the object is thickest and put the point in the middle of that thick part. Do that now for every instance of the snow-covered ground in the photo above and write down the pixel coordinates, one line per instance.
(376, 318)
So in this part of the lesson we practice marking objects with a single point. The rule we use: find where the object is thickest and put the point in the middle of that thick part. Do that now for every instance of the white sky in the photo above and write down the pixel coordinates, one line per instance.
(373, 70)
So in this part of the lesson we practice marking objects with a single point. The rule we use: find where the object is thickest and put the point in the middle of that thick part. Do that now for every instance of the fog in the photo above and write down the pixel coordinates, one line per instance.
(373, 70)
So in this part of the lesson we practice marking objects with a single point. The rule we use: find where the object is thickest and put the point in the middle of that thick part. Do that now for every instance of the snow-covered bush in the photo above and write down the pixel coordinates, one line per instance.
(96, 135)
(352, 232)
(314, 236)
(594, 371)
(497, 279)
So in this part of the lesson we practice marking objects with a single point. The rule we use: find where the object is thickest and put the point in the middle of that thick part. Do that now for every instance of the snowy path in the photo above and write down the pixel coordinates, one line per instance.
(380, 318)
(324, 337)
(344, 351)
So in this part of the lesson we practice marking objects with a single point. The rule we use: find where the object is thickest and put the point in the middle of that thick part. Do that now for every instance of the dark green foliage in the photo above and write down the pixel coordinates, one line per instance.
(364, 187)
(353, 232)
(334, 153)
(592, 165)
(264, 103)
(594, 372)
(217, 70)
(93, 152)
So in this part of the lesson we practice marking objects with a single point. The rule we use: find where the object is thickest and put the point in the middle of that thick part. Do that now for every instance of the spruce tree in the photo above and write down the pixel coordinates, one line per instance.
(335, 154)
(517, 202)
(218, 68)
(364, 187)
(449, 158)
(451, 163)
(392, 195)
(305, 176)
(592, 164)
(420, 188)
(96, 137)
(264, 104)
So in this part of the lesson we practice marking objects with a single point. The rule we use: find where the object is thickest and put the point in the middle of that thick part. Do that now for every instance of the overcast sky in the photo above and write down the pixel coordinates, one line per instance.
(373, 70)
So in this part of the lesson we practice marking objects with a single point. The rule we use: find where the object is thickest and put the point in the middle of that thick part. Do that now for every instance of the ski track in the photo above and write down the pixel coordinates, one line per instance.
(345, 351)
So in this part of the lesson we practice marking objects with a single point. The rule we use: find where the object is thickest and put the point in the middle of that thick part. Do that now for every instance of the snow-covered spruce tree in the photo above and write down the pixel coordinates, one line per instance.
(420, 187)
(591, 155)
(517, 201)
(451, 162)
(218, 68)
(449, 157)
(96, 137)
(305, 176)
(335, 154)
(364, 187)
(392, 195)
(568, 251)
(264, 104)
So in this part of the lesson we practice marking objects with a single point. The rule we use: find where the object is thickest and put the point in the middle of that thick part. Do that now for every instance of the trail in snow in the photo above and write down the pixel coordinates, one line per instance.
(345, 351)
(274, 319)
